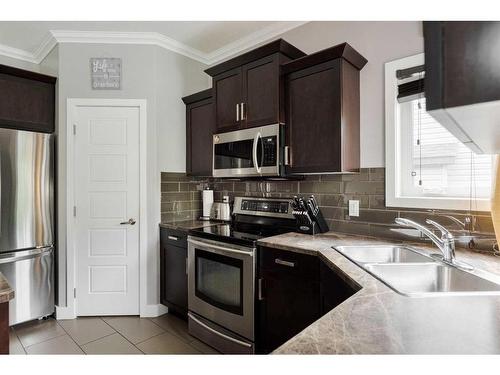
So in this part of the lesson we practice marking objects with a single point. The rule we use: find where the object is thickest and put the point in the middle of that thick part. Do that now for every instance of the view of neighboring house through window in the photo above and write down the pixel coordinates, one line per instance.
(426, 166)
(434, 162)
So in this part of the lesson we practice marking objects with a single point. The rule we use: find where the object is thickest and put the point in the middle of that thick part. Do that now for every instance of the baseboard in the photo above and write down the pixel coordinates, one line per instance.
(151, 311)
(65, 312)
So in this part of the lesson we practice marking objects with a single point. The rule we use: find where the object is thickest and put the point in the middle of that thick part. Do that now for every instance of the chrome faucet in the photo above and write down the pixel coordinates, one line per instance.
(446, 244)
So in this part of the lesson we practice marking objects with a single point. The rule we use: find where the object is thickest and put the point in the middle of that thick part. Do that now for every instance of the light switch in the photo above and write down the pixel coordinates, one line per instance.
(353, 208)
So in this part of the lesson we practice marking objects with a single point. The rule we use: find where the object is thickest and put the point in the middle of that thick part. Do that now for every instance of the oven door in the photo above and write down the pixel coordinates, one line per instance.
(246, 153)
(221, 281)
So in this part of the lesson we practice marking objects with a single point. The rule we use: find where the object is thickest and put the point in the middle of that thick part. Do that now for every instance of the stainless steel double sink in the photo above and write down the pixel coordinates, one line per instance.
(413, 274)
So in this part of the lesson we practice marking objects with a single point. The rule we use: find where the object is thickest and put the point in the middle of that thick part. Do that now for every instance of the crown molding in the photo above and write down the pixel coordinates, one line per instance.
(16, 53)
(148, 38)
(252, 40)
(48, 43)
(119, 37)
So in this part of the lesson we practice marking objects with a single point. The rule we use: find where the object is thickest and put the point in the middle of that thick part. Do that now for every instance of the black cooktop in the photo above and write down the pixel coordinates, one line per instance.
(238, 234)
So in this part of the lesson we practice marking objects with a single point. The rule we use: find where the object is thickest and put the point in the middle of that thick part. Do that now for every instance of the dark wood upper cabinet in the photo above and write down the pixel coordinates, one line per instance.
(27, 100)
(261, 92)
(461, 73)
(227, 87)
(322, 111)
(248, 90)
(200, 126)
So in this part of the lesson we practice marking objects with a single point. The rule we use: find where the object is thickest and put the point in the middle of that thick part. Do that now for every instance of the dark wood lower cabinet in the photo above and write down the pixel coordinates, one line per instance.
(334, 289)
(173, 276)
(4, 328)
(295, 290)
(290, 296)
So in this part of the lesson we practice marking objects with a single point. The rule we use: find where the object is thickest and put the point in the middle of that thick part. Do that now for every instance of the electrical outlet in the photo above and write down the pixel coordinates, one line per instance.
(353, 208)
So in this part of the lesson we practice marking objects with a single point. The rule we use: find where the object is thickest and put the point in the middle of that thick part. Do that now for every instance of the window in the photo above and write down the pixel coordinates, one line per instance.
(426, 166)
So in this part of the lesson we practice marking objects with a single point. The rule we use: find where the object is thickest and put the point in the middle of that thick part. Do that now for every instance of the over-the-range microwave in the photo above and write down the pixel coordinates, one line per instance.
(252, 152)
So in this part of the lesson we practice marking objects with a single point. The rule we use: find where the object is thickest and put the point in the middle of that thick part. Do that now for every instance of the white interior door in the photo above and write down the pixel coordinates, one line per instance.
(106, 145)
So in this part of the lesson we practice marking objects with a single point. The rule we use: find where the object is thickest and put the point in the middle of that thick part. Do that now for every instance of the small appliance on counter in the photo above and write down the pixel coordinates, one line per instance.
(208, 199)
(309, 217)
(221, 210)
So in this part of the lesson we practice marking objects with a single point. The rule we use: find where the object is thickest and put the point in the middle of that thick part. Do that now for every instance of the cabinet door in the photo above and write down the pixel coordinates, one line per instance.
(290, 304)
(27, 104)
(261, 92)
(4, 328)
(228, 96)
(200, 126)
(289, 298)
(334, 289)
(173, 278)
(313, 113)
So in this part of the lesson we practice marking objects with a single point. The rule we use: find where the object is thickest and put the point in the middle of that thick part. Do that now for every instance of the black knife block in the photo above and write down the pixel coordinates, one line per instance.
(321, 222)
(308, 229)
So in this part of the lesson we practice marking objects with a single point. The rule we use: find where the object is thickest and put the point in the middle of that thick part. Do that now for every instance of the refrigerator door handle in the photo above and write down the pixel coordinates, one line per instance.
(23, 255)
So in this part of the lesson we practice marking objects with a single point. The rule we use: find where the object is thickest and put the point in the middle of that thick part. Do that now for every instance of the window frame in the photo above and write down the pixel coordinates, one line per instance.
(393, 160)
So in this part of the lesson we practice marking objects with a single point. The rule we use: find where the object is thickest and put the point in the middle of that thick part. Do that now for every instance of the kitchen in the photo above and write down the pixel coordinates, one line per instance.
(249, 187)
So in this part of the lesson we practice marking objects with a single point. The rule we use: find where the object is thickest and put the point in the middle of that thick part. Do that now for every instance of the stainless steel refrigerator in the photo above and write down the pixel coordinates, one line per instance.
(27, 222)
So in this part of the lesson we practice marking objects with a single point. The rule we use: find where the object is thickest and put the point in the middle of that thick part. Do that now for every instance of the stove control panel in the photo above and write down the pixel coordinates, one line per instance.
(265, 206)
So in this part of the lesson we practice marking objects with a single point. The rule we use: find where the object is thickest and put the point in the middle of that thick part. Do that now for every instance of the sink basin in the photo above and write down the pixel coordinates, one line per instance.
(382, 254)
(426, 279)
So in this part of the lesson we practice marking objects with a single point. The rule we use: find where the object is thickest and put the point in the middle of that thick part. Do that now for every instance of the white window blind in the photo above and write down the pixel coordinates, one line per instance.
(434, 163)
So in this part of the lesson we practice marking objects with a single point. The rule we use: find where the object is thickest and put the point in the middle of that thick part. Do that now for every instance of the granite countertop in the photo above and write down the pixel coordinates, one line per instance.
(377, 320)
(6, 292)
(186, 225)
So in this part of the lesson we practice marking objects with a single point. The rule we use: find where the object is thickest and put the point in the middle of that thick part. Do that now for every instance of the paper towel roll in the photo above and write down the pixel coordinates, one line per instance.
(208, 200)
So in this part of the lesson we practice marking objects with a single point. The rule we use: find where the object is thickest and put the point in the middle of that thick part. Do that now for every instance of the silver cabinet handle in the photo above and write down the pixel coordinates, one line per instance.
(128, 222)
(260, 297)
(237, 112)
(284, 262)
(173, 238)
(287, 155)
(243, 114)
(239, 342)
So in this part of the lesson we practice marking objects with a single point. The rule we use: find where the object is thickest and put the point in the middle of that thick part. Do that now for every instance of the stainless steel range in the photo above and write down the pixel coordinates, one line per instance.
(221, 272)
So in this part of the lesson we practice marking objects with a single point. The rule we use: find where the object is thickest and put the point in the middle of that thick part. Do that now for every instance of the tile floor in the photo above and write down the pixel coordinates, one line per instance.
(166, 334)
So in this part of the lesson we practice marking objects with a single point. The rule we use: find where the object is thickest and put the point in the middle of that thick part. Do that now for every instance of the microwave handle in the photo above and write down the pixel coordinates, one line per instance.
(254, 152)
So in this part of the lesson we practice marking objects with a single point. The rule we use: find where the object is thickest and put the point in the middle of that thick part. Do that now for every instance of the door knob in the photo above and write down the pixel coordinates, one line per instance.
(129, 221)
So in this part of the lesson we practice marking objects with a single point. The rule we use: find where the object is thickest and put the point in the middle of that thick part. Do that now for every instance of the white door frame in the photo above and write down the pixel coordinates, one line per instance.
(69, 312)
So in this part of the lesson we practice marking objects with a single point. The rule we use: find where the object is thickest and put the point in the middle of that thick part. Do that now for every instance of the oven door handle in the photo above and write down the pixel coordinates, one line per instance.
(239, 342)
(254, 152)
(224, 249)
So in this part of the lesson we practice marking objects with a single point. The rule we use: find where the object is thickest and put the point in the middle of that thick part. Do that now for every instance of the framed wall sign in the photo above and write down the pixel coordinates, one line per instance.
(106, 73)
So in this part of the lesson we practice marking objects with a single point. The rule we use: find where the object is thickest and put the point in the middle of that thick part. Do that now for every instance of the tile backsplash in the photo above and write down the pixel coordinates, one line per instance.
(181, 200)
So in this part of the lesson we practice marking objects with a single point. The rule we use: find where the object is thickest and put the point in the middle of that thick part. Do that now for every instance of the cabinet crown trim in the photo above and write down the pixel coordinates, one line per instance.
(21, 73)
(279, 45)
(196, 97)
(343, 50)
